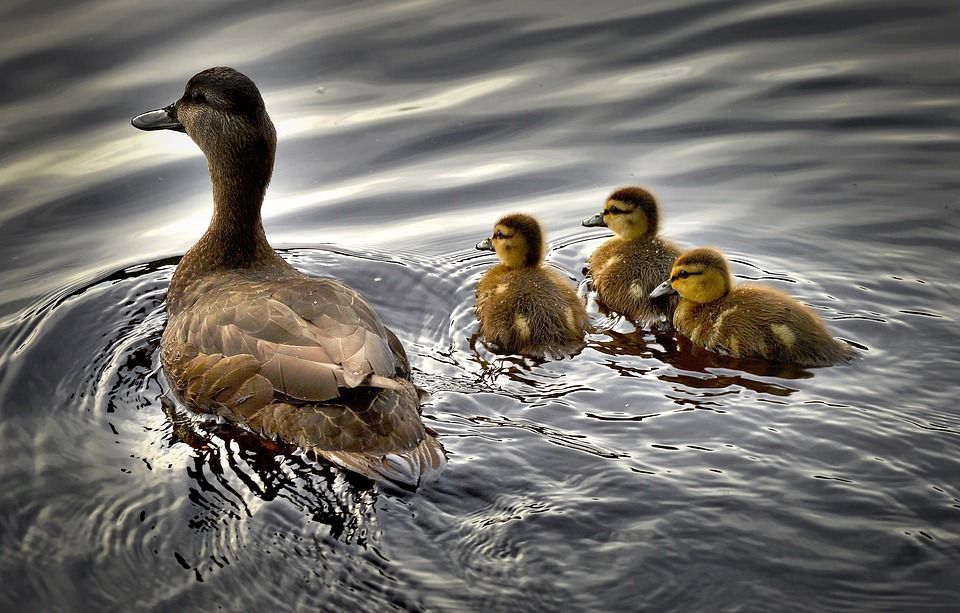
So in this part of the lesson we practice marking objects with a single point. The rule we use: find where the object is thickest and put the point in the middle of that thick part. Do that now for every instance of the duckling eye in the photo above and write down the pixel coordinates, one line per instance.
(498, 235)
(683, 274)
(613, 211)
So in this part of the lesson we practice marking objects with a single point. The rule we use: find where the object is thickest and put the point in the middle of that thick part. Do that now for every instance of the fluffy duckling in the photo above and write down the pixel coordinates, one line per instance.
(253, 340)
(745, 321)
(524, 306)
(627, 267)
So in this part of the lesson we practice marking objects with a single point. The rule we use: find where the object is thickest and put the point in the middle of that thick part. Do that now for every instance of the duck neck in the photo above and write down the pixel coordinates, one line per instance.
(235, 237)
(633, 233)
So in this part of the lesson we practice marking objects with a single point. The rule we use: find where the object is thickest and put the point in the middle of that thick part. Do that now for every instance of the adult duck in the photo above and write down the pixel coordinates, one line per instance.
(253, 340)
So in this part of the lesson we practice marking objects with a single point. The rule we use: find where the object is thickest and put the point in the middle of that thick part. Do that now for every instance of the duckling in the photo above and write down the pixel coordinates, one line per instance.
(745, 321)
(253, 340)
(627, 267)
(524, 306)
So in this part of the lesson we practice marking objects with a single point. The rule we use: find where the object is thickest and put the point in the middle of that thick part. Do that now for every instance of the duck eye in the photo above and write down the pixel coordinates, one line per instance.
(197, 97)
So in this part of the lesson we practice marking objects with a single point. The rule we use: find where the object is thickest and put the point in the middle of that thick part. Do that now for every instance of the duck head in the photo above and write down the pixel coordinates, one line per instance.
(517, 240)
(222, 111)
(631, 212)
(700, 275)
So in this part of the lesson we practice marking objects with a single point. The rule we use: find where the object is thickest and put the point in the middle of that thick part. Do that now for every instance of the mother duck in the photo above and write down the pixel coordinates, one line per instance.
(253, 340)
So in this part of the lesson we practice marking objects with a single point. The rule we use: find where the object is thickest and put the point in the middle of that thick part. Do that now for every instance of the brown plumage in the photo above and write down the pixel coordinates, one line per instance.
(524, 306)
(746, 321)
(253, 340)
(627, 267)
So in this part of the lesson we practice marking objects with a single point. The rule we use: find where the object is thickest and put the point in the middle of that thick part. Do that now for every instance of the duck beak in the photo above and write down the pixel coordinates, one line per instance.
(664, 289)
(485, 245)
(596, 221)
(160, 119)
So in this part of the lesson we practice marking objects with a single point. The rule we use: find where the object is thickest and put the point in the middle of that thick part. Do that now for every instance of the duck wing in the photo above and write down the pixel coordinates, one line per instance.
(311, 337)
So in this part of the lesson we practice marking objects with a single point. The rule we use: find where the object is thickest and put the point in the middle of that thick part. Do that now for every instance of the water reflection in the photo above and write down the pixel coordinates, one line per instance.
(224, 454)
(814, 142)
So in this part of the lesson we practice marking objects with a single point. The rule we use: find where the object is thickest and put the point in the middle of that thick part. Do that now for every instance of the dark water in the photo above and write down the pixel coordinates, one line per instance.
(816, 142)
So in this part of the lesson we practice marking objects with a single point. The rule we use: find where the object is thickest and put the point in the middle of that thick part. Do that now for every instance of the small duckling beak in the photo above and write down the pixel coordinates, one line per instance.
(485, 245)
(664, 289)
(160, 119)
(595, 221)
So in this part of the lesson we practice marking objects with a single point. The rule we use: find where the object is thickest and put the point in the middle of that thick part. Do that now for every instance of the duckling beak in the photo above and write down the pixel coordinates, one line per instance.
(595, 221)
(160, 119)
(664, 289)
(485, 245)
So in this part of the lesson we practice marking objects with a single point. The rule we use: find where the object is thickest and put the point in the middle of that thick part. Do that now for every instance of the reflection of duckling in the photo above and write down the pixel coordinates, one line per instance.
(524, 306)
(257, 342)
(746, 321)
(626, 268)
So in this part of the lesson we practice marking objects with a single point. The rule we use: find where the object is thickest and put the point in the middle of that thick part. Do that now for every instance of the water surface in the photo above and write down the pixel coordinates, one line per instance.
(815, 142)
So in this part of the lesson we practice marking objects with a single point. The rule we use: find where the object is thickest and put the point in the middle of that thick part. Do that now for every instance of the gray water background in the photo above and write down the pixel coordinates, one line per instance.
(817, 143)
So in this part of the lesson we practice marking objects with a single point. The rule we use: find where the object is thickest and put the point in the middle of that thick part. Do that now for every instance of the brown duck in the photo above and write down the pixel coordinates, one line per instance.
(524, 306)
(627, 267)
(253, 340)
(745, 321)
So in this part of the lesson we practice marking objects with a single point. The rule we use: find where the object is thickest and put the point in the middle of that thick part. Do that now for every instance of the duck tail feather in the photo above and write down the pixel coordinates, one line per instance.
(409, 469)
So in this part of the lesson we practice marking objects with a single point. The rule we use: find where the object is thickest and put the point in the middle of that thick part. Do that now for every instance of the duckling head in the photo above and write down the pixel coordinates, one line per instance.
(631, 212)
(700, 275)
(517, 240)
(222, 111)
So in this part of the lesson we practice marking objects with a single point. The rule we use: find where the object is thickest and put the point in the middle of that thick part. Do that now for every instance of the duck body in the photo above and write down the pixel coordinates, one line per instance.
(624, 273)
(300, 359)
(746, 321)
(530, 310)
(627, 267)
(253, 340)
(523, 305)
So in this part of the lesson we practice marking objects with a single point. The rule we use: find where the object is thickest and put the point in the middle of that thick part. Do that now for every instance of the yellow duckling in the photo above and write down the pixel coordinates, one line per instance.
(626, 268)
(746, 321)
(524, 306)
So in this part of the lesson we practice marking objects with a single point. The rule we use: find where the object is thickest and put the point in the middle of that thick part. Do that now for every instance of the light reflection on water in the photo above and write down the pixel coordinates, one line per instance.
(815, 143)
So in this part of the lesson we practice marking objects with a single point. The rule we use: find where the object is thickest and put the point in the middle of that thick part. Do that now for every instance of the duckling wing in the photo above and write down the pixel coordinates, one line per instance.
(311, 338)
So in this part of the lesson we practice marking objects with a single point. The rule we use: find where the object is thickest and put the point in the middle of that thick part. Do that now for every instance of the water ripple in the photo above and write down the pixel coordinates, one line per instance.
(814, 142)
